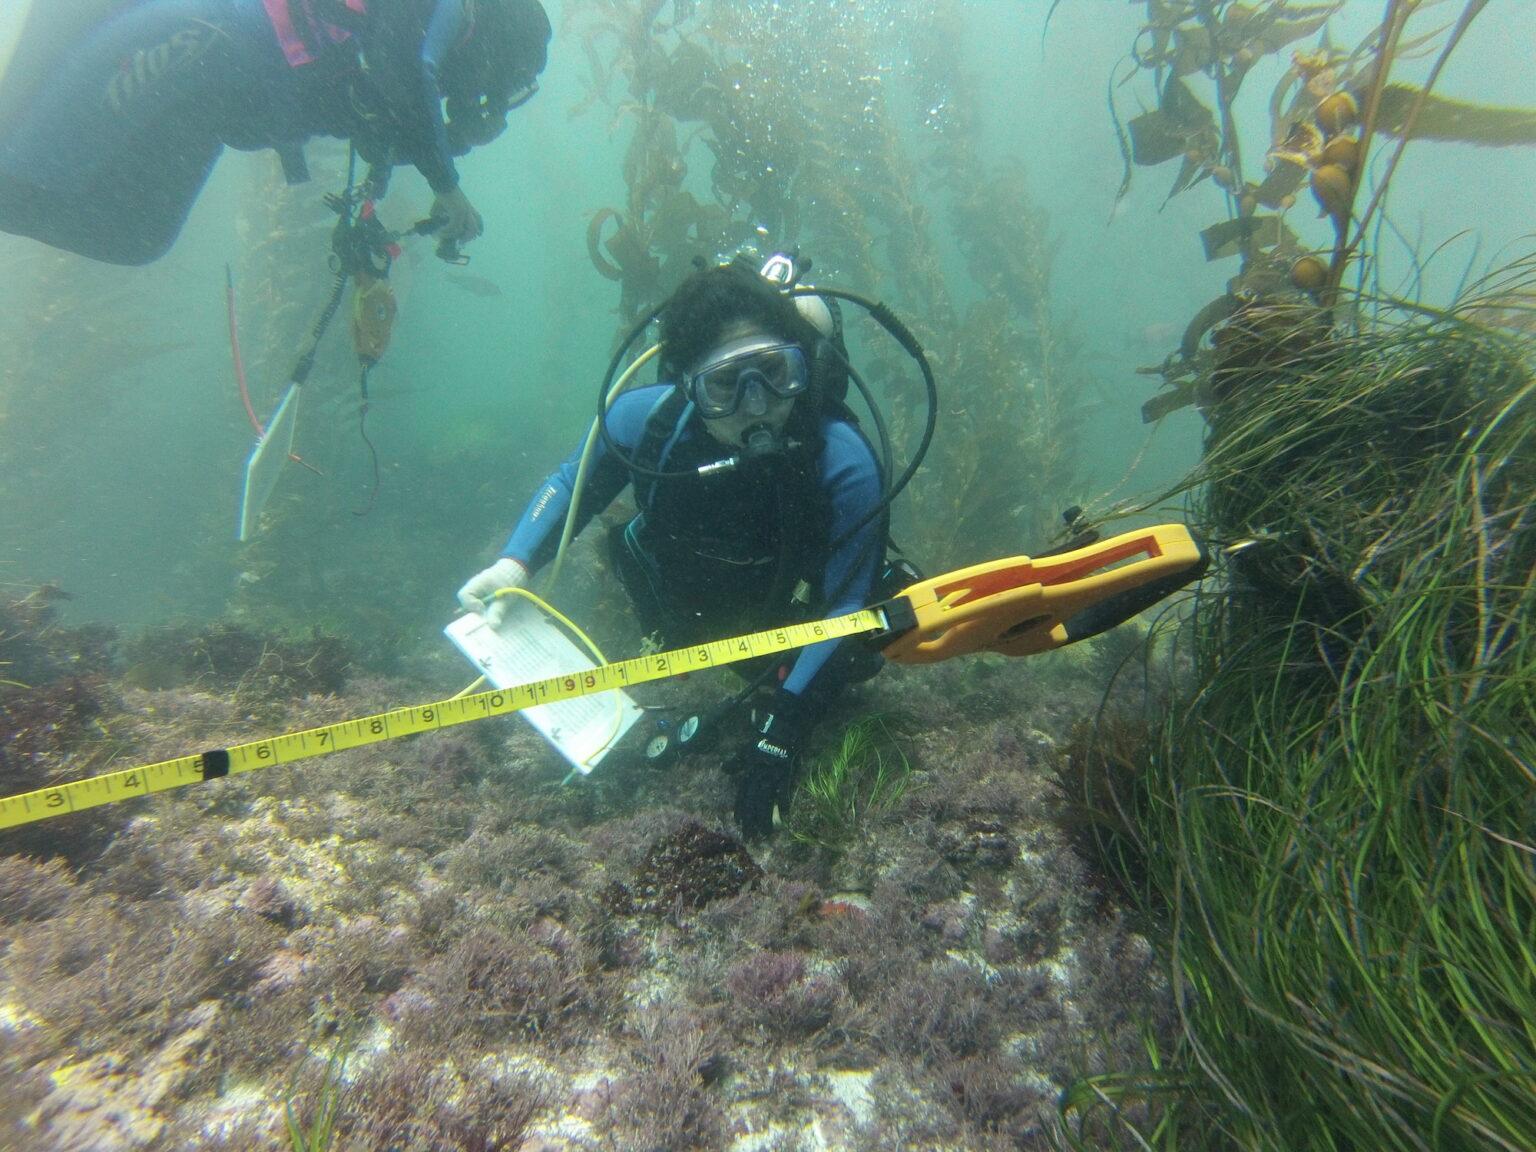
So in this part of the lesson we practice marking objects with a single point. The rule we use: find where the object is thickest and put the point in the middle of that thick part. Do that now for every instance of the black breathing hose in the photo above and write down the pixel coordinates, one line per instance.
(909, 343)
(602, 399)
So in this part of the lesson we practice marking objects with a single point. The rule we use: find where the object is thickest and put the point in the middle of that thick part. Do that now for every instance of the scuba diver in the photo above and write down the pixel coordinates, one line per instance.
(113, 112)
(761, 502)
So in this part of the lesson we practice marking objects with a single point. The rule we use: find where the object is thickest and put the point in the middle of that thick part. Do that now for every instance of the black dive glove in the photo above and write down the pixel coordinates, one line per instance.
(767, 767)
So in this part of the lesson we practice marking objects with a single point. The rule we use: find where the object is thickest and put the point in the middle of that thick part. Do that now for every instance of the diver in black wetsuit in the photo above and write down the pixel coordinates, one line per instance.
(792, 528)
(104, 151)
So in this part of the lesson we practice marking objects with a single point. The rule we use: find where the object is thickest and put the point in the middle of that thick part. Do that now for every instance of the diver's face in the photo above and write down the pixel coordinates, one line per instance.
(758, 406)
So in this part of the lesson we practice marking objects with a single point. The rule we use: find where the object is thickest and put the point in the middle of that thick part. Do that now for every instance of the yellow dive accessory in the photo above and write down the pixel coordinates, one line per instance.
(373, 316)
(1020, 606)
(1017, 606)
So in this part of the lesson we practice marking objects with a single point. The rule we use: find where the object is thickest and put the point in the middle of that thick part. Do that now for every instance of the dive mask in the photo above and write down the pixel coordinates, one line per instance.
(772, 366)
(471, 124)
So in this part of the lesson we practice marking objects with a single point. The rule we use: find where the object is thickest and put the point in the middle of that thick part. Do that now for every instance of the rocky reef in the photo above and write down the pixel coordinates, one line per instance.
(432, 943)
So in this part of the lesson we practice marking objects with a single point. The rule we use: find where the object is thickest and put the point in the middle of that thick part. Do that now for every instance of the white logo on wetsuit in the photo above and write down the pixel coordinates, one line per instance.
(148, 65)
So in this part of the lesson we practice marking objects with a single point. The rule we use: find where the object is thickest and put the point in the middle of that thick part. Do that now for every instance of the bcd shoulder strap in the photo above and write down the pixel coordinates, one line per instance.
(662, 423)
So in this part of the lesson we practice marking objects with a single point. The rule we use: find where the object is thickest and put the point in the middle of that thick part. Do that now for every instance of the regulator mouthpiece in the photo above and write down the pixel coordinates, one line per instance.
(760, 442)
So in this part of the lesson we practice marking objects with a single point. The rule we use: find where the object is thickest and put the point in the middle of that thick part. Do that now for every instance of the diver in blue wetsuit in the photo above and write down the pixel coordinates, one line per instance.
(792, 528)
(105, 145)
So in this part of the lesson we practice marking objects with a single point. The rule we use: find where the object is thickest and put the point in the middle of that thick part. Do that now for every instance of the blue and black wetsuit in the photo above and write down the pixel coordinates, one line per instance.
(105, 152)
(708, 557)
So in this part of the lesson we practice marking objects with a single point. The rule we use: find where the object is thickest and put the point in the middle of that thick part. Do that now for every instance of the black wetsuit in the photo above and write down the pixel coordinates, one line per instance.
(709, 557)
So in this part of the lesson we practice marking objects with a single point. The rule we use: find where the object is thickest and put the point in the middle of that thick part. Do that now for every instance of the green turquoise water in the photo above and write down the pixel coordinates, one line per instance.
(123, 439)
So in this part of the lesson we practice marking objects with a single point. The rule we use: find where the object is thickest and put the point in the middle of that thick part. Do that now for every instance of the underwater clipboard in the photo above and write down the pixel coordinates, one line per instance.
(528, 647)
(265, 463)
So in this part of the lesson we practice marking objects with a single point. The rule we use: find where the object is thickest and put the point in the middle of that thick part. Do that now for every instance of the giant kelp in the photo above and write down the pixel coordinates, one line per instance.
(1332, 826)
(1001, 462)
(1327, 110)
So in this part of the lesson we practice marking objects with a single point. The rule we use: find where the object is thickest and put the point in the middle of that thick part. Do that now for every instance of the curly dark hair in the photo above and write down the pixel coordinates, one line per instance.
(714, 298)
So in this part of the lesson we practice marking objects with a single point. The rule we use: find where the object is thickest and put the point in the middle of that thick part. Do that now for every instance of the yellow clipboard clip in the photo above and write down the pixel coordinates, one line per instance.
(1020, 606)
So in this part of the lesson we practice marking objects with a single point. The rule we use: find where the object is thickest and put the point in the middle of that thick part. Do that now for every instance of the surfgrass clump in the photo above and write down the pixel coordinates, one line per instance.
(1343, 808)
(859, 778)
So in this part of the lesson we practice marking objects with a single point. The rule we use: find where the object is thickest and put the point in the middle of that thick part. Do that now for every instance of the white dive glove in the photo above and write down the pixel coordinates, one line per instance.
(460, 222)
(479, 595)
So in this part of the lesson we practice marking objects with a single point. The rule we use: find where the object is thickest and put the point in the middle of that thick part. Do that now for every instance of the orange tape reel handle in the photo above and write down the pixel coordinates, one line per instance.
(1019, 606)
(948, 619)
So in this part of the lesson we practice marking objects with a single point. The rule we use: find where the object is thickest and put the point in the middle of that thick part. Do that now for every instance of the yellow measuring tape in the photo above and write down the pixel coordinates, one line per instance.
(1016, 606)
(110, 787)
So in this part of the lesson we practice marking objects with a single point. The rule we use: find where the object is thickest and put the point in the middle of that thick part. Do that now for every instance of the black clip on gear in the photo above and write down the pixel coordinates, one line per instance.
(448, 250)
(360, 244)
